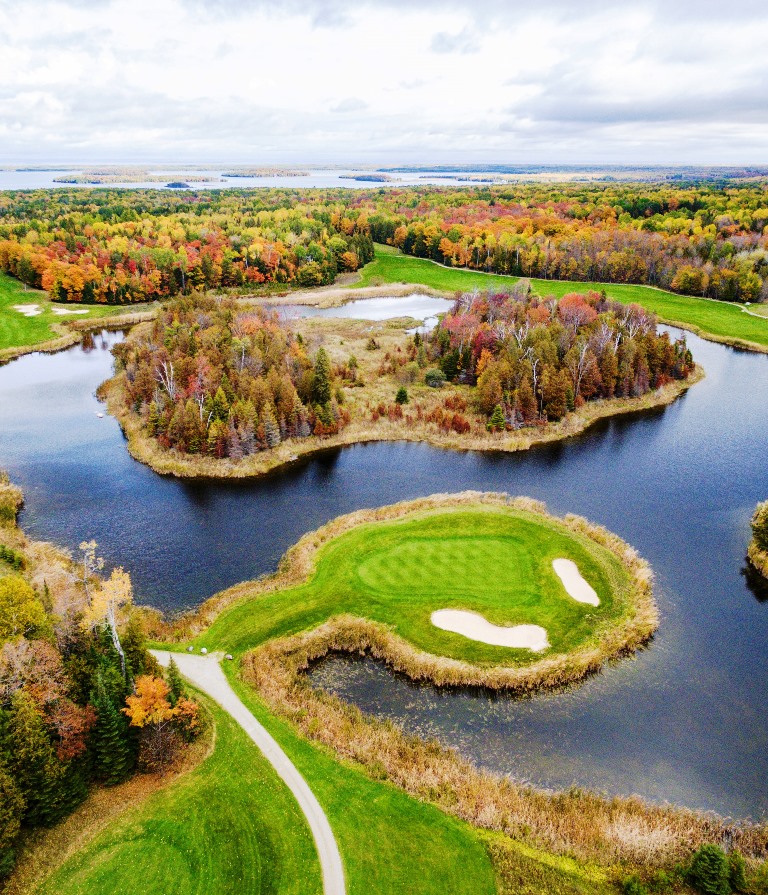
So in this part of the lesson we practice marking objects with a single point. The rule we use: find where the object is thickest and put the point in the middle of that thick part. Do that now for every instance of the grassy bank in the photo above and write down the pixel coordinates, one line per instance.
(228, 826)
(719, 321)
(49, 328)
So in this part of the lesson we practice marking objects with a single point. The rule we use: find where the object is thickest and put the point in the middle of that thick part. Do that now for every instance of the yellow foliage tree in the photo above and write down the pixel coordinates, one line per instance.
(149, 705)
(114, 594)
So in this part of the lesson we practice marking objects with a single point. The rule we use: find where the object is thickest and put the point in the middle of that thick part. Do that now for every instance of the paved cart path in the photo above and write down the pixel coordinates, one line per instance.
(206, 674)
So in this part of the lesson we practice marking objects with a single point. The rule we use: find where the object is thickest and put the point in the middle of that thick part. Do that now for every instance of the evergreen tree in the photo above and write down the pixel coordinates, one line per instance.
(271, 429)
(176, 684)
(710, 871)
(111, 741)
(402, 395)
(321, 383)
(497, 421)
(40, 777)
(11, 811)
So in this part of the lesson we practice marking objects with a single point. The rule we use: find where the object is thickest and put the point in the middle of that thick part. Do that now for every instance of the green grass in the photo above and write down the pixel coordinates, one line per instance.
(389, 842)
(495, 561)
(18, 331)
(721, 320)
(229, 826)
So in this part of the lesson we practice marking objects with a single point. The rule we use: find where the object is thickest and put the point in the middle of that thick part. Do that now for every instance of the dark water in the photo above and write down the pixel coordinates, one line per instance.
(685, 722)
(421, 307)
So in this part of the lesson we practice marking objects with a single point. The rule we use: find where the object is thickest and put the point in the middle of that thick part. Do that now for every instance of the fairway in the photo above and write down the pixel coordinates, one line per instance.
(723, 321)
(229, 826)
(489, 559)
(19, 330)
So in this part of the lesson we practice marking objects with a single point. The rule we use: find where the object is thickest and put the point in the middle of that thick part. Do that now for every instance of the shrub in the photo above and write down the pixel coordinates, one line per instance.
(633, 886)
(710, 871)
(402, 395)
(738, 872)
(760, 525)
(434, 378)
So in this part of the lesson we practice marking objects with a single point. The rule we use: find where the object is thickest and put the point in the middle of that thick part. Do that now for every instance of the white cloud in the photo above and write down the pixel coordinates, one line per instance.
(337, 80)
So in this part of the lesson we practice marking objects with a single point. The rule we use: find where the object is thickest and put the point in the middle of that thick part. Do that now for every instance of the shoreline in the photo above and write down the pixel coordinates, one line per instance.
(145, 449)
(758, 558)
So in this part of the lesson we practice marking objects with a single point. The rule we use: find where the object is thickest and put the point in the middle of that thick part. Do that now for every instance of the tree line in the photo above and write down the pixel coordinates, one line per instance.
(133, 246)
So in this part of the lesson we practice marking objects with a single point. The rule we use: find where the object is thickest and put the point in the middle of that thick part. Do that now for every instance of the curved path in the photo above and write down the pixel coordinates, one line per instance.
(206, 674)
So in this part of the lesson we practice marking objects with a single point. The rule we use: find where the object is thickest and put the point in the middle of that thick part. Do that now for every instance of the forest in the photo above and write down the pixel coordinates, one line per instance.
(82, 702)
(533, 360)
(706, 238)
(125, 246)
(215, 378)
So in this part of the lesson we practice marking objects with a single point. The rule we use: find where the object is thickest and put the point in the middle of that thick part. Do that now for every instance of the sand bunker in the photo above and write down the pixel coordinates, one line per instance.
(62, 311)
(28, 310)
(577, 587)
(475, 627)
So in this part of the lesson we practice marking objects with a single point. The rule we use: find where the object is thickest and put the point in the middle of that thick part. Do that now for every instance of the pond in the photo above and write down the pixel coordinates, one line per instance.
(684, 722)
(424, 308)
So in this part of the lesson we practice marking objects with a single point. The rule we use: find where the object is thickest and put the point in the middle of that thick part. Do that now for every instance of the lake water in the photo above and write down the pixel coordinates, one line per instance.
(313, 179)
(424, 308)
(686, 721)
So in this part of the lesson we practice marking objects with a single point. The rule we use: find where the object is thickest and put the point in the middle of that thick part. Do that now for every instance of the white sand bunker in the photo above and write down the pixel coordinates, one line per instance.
(62, 311)
(475, 627)
(577, 587)
(28, 310)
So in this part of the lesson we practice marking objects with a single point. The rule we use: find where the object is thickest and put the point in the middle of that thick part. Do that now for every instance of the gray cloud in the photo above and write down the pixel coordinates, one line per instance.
(464, 42)
(350, 104)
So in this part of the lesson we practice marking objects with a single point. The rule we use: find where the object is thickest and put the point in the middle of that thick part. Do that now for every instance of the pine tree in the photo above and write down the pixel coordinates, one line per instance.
(40, 777)
(176, 684)
(11, 811)
(402, 395)
(321, 383)
(271, 429)
(497, 421)
(113, 752)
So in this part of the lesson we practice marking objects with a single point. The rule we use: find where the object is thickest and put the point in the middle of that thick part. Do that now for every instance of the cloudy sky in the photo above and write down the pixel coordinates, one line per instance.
(384, 81)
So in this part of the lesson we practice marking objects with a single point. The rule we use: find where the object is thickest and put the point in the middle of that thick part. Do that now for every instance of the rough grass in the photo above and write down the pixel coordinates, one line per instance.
(481, 552)
(720, 321)
(390, 843)
(229, 826)
(758, 558)
(47, 330)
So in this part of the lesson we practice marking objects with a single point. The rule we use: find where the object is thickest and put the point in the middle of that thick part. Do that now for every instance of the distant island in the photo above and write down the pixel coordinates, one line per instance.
(367, 178)
(265, 172)
(177, 185)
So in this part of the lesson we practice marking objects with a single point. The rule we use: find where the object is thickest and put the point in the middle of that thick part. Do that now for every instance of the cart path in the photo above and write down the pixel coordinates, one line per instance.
(205, 673)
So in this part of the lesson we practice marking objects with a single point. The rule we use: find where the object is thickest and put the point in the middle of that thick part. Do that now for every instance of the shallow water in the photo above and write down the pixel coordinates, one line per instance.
(685, 721)
(424, 308)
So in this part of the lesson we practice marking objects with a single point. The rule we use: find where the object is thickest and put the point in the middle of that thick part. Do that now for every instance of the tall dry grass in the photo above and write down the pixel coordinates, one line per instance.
(758, 558)
(583, 825)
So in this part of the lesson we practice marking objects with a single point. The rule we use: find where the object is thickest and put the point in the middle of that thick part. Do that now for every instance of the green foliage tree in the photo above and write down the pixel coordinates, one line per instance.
(738, 871)
(497, 423)
(40, 777)
(175, 683)
(11, 812)
(710, 872)
(21, 613)
(321, 382)
(402, 395)
(111, 742)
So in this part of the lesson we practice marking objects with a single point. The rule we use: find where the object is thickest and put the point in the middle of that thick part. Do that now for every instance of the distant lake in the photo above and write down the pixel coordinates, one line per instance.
(320, 179)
